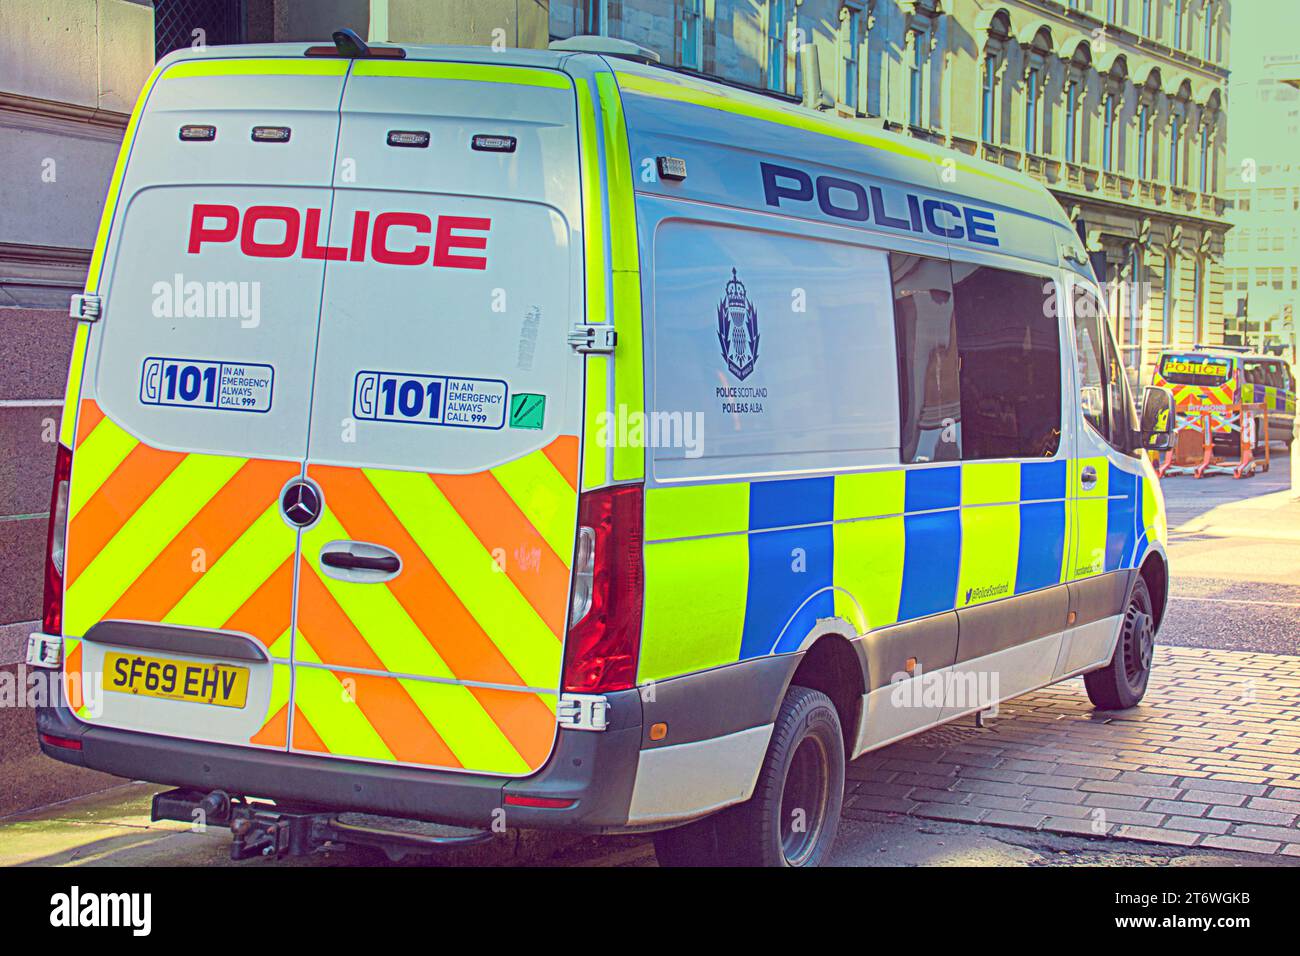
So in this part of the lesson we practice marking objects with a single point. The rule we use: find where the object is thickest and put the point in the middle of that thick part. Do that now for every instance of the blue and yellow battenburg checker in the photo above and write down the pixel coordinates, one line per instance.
(874, 548)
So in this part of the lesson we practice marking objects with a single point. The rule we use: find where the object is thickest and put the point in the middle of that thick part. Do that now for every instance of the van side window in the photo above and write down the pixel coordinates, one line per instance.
(930, 406)
(1092, 379)
(1103, 386)
(1009, 345)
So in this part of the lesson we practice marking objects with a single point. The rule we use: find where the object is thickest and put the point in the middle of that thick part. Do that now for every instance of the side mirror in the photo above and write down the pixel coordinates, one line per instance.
(1158, 418)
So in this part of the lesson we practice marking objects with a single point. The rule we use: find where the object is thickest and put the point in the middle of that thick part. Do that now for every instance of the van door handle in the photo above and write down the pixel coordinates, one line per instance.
(359, 561)
(1089, 476)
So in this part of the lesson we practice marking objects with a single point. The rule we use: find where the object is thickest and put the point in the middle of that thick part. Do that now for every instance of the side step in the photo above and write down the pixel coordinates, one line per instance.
(274, 832)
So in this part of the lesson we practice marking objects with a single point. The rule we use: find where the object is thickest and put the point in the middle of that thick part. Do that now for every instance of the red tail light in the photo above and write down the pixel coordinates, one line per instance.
(543, 803)
(56, 542)
(604, 639)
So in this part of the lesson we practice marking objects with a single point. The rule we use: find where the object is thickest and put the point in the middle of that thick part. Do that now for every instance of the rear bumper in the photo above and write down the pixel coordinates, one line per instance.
(596, 770)
(618, 779)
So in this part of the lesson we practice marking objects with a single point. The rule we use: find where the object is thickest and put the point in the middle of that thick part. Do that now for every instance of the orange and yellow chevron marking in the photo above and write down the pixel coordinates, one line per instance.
(324, 625)
(481, 598)
(211, 533)
(423, 593)
(563, 454)
(541, 575)
(138, 476)
(172, 537)
(267, 613)
(275, 732)
(365, 715)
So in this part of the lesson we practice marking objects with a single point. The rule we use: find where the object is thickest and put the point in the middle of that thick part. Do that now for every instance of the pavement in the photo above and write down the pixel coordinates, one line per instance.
(1206, 771)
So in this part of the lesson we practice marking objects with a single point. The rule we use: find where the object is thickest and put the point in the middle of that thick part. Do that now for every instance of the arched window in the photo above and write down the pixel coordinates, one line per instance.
(1077, 68)
(1205, 157)
(1036, 54)
(918, 63)
(1175, 146)
(995, 45)
(1144, 125)
(1108, 132)
(1207, 44)
(1073, 96)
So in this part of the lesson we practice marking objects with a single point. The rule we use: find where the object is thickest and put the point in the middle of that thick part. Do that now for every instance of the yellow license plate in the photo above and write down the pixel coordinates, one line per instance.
(220, 684)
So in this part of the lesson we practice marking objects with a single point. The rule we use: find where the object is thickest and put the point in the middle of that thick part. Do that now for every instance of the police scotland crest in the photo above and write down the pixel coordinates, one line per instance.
(738, 329)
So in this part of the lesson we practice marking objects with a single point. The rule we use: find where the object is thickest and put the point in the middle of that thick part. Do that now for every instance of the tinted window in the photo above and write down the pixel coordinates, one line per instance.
(1009, 348)
(1092, 363)
(1103, 385)
(930, 406)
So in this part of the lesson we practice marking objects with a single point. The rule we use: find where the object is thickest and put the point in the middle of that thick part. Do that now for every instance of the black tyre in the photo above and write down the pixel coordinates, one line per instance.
(1123, 682)
(795, 810)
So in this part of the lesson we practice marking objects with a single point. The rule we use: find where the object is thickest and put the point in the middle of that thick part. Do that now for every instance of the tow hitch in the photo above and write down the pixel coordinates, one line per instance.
(273, 831)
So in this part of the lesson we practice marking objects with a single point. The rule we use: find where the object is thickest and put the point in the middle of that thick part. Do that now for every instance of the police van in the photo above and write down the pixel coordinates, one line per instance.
(1219, 376)
(547, 439)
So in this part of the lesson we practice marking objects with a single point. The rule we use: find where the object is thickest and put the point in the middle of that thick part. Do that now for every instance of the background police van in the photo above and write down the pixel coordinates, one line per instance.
(394, 541)
(1219, 376)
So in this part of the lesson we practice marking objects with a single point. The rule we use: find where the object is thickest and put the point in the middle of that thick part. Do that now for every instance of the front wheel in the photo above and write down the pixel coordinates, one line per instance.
(1122, 683)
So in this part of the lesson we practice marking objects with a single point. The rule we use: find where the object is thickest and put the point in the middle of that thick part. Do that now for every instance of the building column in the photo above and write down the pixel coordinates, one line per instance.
(508, 23)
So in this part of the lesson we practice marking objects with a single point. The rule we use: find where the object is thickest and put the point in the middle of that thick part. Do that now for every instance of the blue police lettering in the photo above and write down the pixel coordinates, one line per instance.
(907, 212)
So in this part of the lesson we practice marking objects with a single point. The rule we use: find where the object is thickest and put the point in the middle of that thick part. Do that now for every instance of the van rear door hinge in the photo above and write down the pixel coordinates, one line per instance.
(582, 711)
(592, 338)
(84, 308)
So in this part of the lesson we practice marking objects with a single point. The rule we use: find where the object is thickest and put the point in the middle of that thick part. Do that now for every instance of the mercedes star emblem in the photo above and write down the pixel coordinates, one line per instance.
(300, 503)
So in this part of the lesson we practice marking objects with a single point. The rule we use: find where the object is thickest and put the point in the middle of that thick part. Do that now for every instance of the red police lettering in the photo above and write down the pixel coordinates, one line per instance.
(306, 234)
(311, 238)
(200, 233)
(283, 249)
(446, 240)
(379, 250)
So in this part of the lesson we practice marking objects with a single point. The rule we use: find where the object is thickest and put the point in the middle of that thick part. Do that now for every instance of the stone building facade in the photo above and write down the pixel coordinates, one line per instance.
(1118, 106)
(1263, 191)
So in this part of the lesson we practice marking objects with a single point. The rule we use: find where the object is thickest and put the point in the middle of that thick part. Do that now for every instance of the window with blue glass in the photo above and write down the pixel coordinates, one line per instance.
(1144, 121)
(989, 98)
(776, 44)
(916, 81)
(1031, 112)
(1071, 120)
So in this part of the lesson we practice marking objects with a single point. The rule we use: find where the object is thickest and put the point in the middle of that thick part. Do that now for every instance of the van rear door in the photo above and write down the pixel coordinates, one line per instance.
(195, 404)
(445, 411)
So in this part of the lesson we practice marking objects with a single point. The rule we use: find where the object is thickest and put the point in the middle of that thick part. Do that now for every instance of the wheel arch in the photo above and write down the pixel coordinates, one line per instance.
(1154, 571)
(832, 664)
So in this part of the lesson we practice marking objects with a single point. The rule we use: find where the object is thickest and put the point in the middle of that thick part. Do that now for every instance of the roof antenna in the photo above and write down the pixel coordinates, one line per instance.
(350, 45)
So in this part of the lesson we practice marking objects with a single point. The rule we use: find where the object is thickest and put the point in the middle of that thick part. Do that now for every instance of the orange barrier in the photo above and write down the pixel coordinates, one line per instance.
(1193, 451)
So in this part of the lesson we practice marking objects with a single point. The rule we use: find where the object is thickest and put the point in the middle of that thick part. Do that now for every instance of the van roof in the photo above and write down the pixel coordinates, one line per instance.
(915, 159)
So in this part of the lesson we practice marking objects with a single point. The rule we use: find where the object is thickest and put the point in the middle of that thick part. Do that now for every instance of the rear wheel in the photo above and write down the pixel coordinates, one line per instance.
(794, 812)
(1123, 682)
